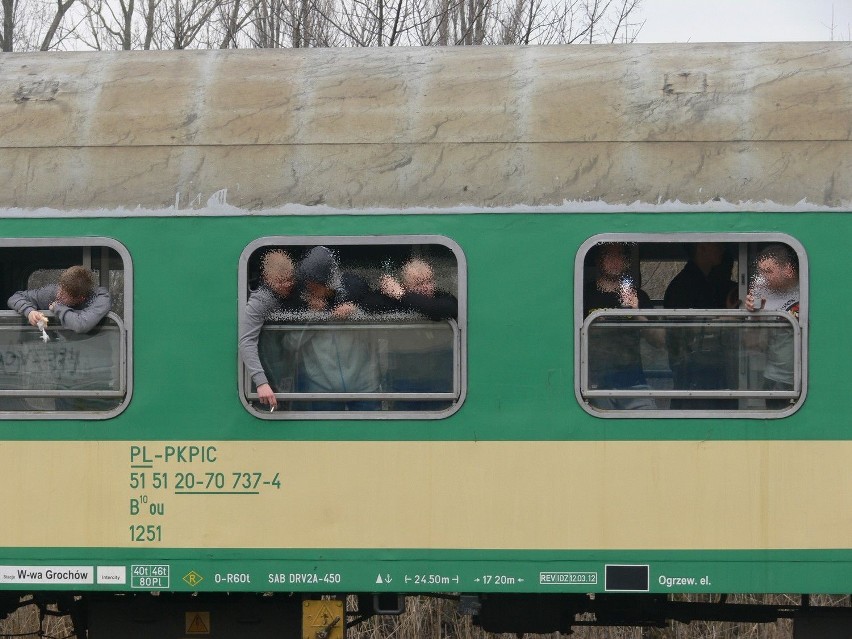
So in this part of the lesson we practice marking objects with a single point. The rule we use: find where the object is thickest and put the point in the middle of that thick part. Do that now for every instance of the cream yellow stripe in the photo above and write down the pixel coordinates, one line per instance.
(492, 495)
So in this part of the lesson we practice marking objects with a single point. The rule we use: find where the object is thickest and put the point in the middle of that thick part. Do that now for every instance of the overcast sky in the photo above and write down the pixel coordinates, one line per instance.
(744, 20)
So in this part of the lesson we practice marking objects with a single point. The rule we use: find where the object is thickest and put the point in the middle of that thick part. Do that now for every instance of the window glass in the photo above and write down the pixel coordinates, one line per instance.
(65, 332)
(673, 326)
(358, 327)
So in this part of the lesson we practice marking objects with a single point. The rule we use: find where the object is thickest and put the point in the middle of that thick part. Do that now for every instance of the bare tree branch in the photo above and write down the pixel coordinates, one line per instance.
(61, 9)
(162, 24)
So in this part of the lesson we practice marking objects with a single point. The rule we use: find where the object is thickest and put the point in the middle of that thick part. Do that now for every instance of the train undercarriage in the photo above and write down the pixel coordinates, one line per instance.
(295, 615)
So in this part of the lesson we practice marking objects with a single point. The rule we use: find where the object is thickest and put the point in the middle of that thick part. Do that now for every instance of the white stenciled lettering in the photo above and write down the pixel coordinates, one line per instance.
(670, 582)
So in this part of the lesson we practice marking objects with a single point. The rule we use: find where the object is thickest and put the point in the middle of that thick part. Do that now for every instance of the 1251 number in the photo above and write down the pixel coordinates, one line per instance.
(147, 533)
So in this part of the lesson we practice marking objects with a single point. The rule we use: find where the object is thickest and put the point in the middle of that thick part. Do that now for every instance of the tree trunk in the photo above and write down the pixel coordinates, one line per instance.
(8, 24)
(61, 9)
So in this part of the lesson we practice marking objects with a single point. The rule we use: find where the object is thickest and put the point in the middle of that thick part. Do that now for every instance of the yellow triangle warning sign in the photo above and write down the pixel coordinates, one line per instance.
(198, 623)
(322, 616)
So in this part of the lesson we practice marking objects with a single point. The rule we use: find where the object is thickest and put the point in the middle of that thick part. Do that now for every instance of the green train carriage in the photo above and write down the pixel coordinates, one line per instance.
(505, 486)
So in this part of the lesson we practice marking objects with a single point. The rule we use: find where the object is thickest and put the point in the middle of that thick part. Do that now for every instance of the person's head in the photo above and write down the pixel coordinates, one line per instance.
(278, 272)
(320, 274)
(319, 295)
(613, 260)
(418, 277)
(707, 255)
(778, 265)
(76, 285)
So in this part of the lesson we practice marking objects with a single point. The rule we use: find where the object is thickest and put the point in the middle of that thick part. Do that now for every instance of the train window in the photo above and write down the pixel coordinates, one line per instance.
(64, 338)
(691, 325)
(352, 327)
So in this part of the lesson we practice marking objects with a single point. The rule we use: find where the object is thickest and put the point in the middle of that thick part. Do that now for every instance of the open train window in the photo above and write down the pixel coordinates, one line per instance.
(691, 325)
(65, 331)
(352, 327)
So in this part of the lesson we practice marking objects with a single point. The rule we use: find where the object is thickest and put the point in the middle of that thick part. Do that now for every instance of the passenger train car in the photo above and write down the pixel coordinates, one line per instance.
(544, 457)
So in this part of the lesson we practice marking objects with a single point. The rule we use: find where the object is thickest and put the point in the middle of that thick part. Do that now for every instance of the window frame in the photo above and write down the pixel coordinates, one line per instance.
(458, 326)
(124, 324)
(801, 356)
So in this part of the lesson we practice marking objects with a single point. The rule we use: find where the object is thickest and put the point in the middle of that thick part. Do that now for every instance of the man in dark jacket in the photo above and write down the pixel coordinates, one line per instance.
(417, 292)
(615, 359)
(423, 370)
(697, 356)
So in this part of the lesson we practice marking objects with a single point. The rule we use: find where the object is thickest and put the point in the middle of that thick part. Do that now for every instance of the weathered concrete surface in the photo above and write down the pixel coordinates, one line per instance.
(489, 126)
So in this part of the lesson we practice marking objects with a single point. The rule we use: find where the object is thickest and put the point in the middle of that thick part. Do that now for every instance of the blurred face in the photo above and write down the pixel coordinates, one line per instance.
(613, 262)
(278, 272)
(776, 276)
(420, 280)
(69, 300)
(318, 295)
(282, 283)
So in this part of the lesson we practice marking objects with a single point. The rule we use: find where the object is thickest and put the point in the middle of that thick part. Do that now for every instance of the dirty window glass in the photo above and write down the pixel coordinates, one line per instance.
(357, 328)
(64, 333)
(691, 325)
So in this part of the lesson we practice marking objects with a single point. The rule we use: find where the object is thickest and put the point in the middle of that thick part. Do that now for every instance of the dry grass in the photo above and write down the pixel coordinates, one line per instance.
(27, 623)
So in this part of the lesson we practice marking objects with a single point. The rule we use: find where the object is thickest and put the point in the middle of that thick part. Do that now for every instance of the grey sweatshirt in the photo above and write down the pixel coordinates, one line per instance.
(80, 319)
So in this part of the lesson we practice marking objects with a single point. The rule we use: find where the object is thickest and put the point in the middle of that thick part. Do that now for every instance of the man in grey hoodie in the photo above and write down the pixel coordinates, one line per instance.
(78, 305)
(74, 300)
(277, 281)
(334, 361)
